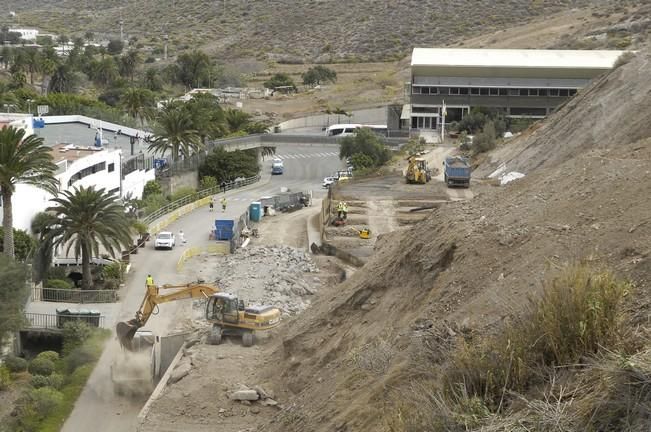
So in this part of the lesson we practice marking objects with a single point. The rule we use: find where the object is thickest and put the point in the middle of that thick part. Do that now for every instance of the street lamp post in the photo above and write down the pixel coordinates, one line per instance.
(29, 104)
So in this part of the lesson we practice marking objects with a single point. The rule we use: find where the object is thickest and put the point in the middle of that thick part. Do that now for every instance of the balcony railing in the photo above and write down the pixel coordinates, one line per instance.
(56, 321)
(74, 295)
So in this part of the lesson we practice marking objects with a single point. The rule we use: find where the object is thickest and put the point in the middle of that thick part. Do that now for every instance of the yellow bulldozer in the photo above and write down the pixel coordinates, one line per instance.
(227, 313)
(417, 171)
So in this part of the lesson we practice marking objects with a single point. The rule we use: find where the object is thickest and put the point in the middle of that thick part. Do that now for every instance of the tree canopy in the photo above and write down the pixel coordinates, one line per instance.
(365, 143)
(22, 160)
(87, 219)
(319, 74)
(13, 295)
(280, 80)
(228, 165)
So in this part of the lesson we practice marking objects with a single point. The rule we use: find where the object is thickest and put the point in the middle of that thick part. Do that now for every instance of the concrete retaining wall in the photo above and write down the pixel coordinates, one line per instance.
(376, 115)
(173, 183)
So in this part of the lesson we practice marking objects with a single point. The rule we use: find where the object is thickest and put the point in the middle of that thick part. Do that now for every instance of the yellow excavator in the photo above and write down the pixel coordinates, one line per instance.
(417, 171)
(226, 312)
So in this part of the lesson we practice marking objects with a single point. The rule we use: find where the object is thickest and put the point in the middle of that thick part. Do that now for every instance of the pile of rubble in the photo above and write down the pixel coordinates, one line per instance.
(280, 276)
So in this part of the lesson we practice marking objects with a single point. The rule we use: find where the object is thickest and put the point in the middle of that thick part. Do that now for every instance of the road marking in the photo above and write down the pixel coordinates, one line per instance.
(306, 155)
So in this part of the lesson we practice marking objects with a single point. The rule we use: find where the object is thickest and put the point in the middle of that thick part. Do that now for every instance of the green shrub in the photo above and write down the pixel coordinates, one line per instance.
(57, 284)
(44, 400)
(208, 182)
(52, 356)
(152, 187)
(182, 193)
(485, 140)
(38, 381)
(579, 314)
(41, 366)
(75, 333)
(15, 364)
(153, 203)
(116, 270)
(80, 356)
(56, 380)
(5, 377)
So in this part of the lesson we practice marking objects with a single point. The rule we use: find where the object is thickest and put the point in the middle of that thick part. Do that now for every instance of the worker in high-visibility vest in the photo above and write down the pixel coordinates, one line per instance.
(340, 209)
(344, 209)
(149, 281)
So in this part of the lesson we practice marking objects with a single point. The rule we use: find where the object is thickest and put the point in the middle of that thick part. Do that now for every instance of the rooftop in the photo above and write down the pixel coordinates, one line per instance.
(515, 58)
(71, 152)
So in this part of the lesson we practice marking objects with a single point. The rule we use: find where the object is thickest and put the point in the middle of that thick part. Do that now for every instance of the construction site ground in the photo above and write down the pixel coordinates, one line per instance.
(388, 203)
(276, 259)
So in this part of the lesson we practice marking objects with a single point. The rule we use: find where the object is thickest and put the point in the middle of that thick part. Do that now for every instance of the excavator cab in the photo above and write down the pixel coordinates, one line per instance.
(224, 307)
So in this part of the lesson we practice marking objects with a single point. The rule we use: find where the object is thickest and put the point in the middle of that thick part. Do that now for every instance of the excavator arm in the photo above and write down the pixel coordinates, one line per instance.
(126, 330)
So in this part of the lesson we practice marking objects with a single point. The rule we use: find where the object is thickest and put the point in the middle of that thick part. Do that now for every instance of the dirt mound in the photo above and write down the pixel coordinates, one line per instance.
(611, 112)
(471, 265)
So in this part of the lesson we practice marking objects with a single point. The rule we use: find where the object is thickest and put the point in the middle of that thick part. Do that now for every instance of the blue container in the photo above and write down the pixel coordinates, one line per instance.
(255, 211)
(224, 229)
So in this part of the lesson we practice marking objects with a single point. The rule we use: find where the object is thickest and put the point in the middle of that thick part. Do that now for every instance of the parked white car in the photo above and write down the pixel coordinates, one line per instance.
(329, 181)
(164, 240)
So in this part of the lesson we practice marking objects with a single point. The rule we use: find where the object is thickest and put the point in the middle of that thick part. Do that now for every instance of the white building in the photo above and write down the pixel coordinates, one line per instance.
(86, 166)
(19, 121)
(25, 33)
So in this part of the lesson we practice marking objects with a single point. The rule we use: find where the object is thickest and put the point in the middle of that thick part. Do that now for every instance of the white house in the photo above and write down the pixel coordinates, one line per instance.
(25, 33)
(19, 121)
(78, 166)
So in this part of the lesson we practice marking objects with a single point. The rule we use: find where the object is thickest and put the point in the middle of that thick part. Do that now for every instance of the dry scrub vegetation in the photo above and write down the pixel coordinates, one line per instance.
(569, 362)
(293, 31)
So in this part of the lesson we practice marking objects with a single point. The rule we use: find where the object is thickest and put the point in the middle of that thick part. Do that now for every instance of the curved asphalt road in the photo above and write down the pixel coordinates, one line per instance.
(98, 409)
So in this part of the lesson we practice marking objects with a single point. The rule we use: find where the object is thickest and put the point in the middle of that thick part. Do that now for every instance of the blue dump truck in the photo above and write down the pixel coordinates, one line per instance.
(277, 166)
(456, 171)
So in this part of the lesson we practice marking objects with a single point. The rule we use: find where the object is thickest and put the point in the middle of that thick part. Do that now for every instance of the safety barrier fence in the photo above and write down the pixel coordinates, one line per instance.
(191, 202)
(219, 248)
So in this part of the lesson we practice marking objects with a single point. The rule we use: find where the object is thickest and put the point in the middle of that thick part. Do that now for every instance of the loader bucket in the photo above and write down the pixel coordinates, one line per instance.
(125, 331)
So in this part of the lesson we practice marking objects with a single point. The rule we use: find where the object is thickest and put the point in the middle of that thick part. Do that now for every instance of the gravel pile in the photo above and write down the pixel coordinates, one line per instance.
(281, 276)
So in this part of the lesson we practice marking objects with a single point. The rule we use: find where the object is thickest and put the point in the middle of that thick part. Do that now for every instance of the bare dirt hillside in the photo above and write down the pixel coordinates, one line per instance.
(613, 111)
(291, 30)
(470, 265)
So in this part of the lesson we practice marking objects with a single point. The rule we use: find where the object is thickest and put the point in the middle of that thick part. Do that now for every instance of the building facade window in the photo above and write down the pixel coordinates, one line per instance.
(111, 167)
(86, 172)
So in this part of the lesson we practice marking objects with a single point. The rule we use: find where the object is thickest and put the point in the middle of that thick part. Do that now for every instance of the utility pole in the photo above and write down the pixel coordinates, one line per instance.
(121, 22)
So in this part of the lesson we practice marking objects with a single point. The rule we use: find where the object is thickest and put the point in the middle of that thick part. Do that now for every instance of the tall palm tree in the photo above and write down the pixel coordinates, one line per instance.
(138, 103)
(175, 133)
(236, 120)
(87, 219)
(22, 160)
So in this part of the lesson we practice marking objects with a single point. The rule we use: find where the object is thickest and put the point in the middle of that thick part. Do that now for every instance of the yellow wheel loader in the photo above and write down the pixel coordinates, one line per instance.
(225, 311)
(417, 171)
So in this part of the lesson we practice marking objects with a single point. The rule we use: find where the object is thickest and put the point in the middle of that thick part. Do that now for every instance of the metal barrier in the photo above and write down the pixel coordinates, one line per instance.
(55, 322)
(74, 295)
(168, 208)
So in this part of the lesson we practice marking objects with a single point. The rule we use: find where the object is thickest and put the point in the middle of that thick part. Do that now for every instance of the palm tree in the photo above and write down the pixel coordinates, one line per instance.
(22, 160)
(87, 219)
(138, 103)
(175, 132)
(62, 80)
(236, 120)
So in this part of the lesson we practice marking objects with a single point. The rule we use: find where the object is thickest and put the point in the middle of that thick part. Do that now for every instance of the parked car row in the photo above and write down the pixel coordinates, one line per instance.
(339, 175)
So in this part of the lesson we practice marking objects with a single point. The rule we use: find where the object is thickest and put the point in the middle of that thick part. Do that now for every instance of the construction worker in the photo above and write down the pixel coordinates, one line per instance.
(149, 281)
(210, 204)
(340, 209)
(223, 201)
(345, 209)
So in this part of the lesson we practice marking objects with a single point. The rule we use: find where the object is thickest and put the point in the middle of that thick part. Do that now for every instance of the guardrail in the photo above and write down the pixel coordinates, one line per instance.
(74, 296)
(54, 321)
(168, 208)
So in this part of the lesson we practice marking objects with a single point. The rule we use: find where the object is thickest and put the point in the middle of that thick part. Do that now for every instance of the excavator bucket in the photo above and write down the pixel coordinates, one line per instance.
(125, 331)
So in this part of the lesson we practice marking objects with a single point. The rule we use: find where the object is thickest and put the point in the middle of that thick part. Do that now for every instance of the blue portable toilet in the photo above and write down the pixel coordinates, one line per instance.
(255, 211)
(224, 229)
